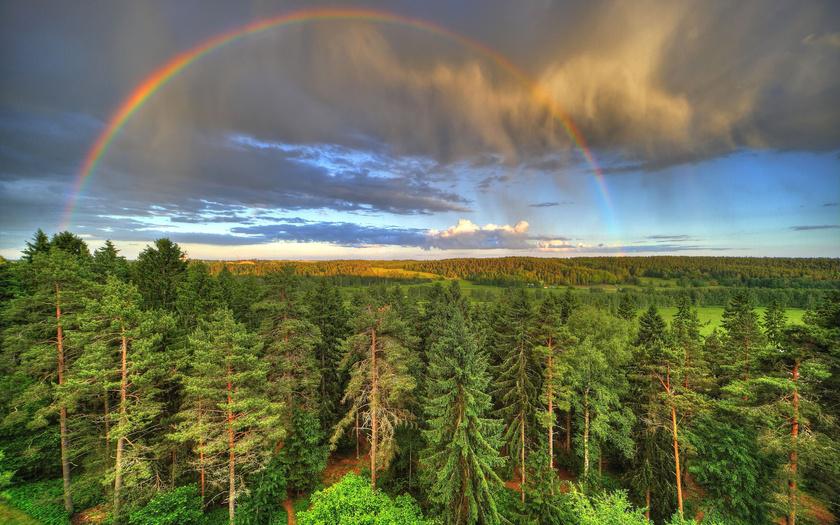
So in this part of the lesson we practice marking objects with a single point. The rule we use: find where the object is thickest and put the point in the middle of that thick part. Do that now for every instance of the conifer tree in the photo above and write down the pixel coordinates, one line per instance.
(120, 356)
(107, 261)
(380, 382)
(517, 384)
(462, 455)
(595, 370)
(157, 272)
(40, 243)
(781, 395)
(227, 416)
(327, 312)
(626, 307)
(553, 339)
(774, 322)
(743, 336)
(55, 283)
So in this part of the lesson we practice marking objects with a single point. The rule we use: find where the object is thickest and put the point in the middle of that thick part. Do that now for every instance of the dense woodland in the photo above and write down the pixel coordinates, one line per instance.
(164, 390)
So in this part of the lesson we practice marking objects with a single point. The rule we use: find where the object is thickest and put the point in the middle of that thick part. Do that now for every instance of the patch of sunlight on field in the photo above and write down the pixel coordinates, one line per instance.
(710, 316)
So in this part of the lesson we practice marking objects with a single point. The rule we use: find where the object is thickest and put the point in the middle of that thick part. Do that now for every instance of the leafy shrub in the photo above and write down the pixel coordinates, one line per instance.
(42, 500)
(179, 506)
(352, 501)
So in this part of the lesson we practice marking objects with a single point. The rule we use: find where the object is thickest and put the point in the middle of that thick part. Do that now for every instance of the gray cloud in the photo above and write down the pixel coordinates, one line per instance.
(549, 204)
(815, 227)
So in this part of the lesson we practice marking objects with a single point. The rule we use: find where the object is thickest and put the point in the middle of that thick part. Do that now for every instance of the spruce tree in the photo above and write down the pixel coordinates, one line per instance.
(326, 310)
(774, 322)
(627, 307)
(227, 417)
(517, 384)
(743, 337)
(107, 261)
(462, 456)
(381, 383)
(157, 272)
(40, 243)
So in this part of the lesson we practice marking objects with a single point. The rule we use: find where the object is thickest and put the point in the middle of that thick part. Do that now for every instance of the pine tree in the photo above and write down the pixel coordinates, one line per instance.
(55, 283)
(663, 363)
(553, 339)
(227, 416)
(380, 383)
(781, 396)
(120, 354)
(595, 370)
(517, 383)
(462, 455)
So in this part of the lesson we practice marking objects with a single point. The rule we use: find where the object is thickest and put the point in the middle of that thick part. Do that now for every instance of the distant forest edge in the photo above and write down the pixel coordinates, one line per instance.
(658, 281)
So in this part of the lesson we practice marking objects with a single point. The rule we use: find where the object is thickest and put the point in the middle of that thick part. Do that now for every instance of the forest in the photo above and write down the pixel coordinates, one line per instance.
(166, 390)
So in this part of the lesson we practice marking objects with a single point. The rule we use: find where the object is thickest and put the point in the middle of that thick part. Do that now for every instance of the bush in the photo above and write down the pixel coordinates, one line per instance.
(264, 502)
(180, 506)
(42, 500)
(352, 501)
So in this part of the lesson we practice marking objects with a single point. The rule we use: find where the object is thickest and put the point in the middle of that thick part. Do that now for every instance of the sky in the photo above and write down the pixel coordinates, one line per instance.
(712, 128)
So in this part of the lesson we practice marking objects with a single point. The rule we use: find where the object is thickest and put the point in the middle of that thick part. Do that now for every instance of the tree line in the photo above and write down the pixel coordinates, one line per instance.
(134, 381)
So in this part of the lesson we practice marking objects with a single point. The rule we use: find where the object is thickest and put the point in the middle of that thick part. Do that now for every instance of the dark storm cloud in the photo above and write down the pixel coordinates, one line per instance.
(371, 118)
(339, 233)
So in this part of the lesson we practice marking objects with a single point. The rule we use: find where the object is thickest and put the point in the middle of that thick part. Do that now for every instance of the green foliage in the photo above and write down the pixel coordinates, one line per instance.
(351, 501)
(462, 456)
(304, 453)
(732, 468)
(379, 363)
(263, 503)
(158, 271)
(179, 506)
(42, 500)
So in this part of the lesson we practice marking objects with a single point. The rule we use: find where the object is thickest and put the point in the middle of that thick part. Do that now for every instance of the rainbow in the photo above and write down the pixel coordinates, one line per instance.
(159, 78)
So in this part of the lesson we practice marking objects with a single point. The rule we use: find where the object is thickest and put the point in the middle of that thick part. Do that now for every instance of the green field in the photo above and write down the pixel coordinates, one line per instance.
(710, 316)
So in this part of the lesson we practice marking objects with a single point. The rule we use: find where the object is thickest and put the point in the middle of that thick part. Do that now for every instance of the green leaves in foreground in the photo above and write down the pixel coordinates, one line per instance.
(351, 501)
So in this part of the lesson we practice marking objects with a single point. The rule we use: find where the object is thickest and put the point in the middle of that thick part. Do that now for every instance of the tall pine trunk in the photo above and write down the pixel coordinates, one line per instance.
(231, 452)
(677, 460)
(586, 433)
(522, 458)
(374, 407)
(62, 413)
(647, 504)
(793, 457)
(677, 471)
(550, 395)
(107, 403)
(118, 464)
(357, 435)
(201, 455)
